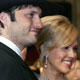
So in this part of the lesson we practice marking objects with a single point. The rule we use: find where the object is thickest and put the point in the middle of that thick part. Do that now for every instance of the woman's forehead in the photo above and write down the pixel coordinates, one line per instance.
(75, 43)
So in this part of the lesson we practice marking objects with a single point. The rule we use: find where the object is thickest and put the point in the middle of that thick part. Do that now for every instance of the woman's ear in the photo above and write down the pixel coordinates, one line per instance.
(44, 49)
(4, 18)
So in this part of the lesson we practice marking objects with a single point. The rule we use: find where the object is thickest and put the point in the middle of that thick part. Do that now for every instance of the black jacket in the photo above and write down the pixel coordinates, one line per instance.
(12, 67)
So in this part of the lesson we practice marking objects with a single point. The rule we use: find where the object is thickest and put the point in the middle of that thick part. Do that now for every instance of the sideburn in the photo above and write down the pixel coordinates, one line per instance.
(2, 25)
(12, 16)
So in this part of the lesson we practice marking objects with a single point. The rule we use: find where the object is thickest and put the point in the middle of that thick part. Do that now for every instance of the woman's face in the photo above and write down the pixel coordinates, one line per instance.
(61, 59)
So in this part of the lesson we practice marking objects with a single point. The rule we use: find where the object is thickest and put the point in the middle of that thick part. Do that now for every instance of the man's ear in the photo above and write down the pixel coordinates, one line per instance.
(4, 19)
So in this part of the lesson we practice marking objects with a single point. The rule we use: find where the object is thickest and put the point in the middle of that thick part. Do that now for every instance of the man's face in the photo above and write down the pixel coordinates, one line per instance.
(26, 25)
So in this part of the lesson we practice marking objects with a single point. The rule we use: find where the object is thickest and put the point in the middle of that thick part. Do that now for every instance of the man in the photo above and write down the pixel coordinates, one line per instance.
(19, 25)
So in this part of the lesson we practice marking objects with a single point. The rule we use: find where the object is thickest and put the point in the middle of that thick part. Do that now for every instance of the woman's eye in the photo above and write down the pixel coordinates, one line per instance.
(67, 47)
(75, 49)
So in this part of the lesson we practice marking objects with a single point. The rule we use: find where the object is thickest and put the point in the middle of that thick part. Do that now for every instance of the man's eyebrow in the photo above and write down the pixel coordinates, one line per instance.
(34, 11)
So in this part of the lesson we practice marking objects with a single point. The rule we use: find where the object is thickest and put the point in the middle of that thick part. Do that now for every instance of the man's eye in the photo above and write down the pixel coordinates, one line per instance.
(30, 15)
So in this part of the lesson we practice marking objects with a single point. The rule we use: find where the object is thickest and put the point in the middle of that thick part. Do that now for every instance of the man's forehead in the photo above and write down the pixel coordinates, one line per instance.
(28, 10)
(32, 8)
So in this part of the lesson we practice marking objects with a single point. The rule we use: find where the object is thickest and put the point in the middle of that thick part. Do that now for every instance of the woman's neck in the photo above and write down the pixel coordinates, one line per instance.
(49, 74)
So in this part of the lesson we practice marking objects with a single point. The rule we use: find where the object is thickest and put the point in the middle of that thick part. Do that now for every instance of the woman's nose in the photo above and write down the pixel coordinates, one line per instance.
(71, 53)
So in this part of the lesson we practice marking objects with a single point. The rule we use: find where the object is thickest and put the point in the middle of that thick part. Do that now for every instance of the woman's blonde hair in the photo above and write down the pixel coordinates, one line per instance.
(57, 32)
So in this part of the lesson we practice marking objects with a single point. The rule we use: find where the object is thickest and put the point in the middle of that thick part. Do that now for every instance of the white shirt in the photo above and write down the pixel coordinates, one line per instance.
(10, 45)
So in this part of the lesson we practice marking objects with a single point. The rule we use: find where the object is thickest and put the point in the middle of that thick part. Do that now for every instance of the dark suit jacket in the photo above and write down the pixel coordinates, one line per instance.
(12, 67)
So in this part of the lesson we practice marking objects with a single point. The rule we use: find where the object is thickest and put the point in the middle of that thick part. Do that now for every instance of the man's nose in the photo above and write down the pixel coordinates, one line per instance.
(37, 23)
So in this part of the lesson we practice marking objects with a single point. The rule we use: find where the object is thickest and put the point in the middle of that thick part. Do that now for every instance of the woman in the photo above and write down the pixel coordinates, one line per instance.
(57, 42)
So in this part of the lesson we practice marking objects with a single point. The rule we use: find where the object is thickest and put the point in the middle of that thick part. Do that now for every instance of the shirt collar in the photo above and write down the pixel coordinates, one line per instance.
(10, 45)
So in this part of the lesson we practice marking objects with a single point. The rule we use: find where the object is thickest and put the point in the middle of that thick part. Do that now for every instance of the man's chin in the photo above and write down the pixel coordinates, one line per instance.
(32, 42)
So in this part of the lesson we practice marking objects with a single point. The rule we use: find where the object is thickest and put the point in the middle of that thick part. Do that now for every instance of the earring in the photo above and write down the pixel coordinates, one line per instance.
(46, 61)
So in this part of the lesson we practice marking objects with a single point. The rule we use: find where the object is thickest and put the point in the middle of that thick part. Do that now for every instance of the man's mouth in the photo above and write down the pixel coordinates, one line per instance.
(35, 30)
